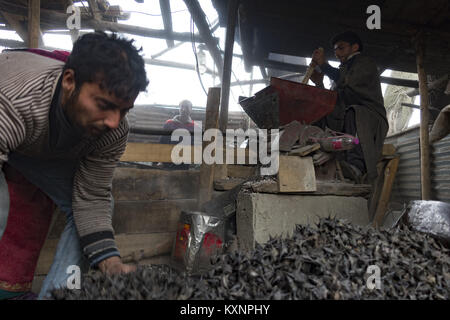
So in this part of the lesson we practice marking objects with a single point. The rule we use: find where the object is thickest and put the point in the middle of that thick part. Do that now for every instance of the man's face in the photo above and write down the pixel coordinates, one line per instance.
(343, 50)
(185, 110)
(92, 109)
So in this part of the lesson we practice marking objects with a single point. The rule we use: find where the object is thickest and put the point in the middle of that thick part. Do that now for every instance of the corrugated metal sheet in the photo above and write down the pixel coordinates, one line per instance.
(154, 117)
(407, 185)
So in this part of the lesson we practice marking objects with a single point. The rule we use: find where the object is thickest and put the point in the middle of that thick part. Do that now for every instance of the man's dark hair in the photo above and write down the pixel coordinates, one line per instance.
(348, 36)
(111, 61)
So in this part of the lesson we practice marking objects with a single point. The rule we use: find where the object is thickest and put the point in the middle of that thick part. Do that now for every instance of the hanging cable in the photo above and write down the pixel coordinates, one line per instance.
(194, 49)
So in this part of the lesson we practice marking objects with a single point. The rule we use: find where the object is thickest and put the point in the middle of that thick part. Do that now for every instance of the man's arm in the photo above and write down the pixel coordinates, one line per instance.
(12, 134)
(4, 202)
(322, 66)
(92, 202)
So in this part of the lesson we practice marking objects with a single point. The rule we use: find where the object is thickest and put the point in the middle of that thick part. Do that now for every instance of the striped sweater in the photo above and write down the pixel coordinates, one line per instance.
(27, 84)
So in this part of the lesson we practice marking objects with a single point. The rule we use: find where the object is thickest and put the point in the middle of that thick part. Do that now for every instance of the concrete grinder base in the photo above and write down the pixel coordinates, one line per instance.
(261, 215)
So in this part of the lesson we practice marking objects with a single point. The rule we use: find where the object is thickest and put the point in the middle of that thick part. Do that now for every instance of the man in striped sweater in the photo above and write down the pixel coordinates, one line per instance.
(62, 132)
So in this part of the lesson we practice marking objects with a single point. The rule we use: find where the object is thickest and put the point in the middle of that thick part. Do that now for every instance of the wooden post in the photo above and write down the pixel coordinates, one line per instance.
(389, 176)
(226, 75)
(167, 20)
(227, 63)
(34, 23)
(206, 170)
(424, 119)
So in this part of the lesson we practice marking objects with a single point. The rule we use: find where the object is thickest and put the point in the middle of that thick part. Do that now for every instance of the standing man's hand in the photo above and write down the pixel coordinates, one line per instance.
(114, 265)
(317, 78)
(318, 57)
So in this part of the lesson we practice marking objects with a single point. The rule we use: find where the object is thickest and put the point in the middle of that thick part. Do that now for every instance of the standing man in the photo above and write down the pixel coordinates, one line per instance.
(182, 120)
(62, 132)
(359, 110)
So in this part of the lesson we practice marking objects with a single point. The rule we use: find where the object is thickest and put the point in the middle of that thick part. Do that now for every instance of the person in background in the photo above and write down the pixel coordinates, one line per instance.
(182, 120)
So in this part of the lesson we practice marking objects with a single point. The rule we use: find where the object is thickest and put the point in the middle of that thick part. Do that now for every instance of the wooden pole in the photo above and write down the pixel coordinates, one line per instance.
(34, 23)
(383, 200)
(424, 119)
(227, 63)
(167, 20)
(206, 170)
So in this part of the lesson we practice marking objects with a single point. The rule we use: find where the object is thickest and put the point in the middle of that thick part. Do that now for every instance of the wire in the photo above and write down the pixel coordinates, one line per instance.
(194, 49)
(153, 15)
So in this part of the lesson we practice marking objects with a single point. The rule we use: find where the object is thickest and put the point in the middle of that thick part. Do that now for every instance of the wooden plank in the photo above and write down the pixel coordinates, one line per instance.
(151, 152)
(34, 20)
(126, 243)
(207, 171)
(15, 22)
(157, 152)
(304, 151)
(154, 184)
(389, 176)
(323, 188)
(296, 174)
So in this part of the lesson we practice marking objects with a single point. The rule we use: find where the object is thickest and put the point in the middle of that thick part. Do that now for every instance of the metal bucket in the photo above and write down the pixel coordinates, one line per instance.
(285, 101)
(198, 238)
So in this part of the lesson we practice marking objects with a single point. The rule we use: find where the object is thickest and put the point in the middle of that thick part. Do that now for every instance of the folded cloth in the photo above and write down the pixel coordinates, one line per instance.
(29, 218)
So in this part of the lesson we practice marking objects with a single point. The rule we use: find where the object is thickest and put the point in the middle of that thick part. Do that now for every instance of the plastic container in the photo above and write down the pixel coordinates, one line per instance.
(199, 237)
(335, 144)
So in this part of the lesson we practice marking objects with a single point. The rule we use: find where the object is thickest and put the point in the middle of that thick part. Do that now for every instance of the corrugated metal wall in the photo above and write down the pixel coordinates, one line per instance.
(154, 117)
(407, 184)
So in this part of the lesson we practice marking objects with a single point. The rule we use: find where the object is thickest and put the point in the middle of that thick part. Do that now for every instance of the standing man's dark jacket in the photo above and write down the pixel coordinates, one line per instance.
(357, 83)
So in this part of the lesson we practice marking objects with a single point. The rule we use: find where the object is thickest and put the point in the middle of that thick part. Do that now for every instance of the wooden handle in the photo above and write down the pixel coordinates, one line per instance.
(309, 71)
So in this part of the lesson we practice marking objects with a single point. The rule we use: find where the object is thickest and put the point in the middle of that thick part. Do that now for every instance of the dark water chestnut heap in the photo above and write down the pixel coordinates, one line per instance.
(329, 261)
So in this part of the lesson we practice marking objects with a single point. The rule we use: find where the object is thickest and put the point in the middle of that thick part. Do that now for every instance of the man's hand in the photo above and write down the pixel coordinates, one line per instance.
(318, 57)
(114, 265)
(317, 78)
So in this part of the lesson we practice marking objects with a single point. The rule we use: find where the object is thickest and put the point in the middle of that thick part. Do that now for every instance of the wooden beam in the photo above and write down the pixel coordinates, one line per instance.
(156, 152)
(34, 23)
(172, 64)
(424, 119)
(227, 64)
(167, 20)
(93, 7)
(206, 170)
(156, 55)
(323, 188)
(58, 20)
(389, 176)
(400, 82)
(15, 22)
(200, 21)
